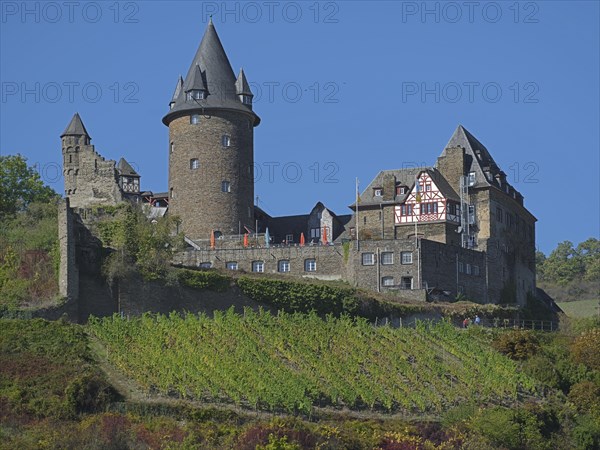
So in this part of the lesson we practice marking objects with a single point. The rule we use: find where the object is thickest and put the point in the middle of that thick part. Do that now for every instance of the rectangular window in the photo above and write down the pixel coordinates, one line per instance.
(406, 257)
(231, 265)
(378, 192)
(468, 269)
(428, 187)
(476, 270)
(226, 141)
(172, 147)
(205, 265)
(289, 238)
(460, 267)
(194, 164)
(406, 283)
(195, 119)
(400, 190)
(387, 281)
(368, 259)
(225, 186)
(471, 178)
(283, 265)
(315, 233)
(499, 214)
(310, 265)
(258, 266)
(387, 258)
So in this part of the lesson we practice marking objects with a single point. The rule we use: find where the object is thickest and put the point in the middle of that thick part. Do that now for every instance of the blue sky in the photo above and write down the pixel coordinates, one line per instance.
(344, 90)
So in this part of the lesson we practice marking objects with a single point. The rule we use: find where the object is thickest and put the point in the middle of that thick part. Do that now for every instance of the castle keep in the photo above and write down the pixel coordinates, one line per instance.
(456, 228)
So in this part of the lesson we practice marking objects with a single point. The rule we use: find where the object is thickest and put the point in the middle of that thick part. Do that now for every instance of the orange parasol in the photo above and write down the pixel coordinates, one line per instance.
(246, 240)
(324, 237)
(212, 239)
(301, 239)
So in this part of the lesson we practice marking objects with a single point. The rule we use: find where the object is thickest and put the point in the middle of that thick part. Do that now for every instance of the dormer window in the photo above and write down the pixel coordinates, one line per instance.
(196, 94)
(378, 192)
(246, 99)
(401, 190)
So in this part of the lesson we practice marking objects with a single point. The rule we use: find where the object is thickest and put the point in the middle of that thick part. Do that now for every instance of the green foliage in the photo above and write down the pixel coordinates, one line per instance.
(137, 243)
(585, 395)
(567, 264)
(205, 279)
(586, 349)
(300, 297)
(20, 185)
(47, 371)
(292, 362)
(29, 256)
(586, 434)
(517, 344)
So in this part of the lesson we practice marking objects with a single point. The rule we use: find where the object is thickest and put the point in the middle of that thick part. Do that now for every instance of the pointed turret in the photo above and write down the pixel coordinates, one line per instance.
(242, 89)
(76, 128)
(124, 168)
(178, 90)
(210, 70)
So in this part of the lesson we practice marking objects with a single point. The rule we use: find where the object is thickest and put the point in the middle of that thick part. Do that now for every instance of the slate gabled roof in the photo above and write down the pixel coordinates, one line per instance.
(196, 81)
(476, 152)
(125, 169)
(75, 128)
(218, 77)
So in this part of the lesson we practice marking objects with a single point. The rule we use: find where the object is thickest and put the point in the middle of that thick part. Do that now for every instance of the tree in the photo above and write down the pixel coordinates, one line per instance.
(20, 185)
(564, 264)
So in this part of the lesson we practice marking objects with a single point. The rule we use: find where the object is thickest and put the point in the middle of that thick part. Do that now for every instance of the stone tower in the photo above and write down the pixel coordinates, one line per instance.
(211, 145)
(90, 179)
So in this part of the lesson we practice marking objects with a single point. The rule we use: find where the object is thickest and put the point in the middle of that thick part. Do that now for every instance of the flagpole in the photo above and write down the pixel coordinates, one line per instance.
(418, 200)
(356, 215)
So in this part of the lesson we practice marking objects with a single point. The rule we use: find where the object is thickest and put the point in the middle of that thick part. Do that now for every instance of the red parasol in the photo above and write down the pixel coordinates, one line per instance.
(324, 237)
(246, 240)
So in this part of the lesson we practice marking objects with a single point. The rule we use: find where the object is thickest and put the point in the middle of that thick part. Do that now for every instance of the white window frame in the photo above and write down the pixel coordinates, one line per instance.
(225, 186)
(383, 258)
(367, 259)
(406, 258)
(283, 265)
(289, 238)
(315, 233)
(194, 119)
(231, 265)
(471, 179)
(258, 266)
(412, 283)
(378, 192)
(226, 140)
(194, 163)
(387, 281)
(310, 265)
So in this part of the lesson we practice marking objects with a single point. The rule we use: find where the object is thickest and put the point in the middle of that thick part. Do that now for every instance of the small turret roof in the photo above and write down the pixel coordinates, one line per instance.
(178, 89)
(75, 128)
(241, 84)
(196, 81)
(125, 169)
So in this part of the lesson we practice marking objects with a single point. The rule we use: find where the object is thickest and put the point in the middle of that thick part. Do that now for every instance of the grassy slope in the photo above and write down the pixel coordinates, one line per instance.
(580, 308)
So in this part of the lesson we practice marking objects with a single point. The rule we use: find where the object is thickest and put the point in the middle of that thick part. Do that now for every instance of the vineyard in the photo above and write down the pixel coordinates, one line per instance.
(294, 362)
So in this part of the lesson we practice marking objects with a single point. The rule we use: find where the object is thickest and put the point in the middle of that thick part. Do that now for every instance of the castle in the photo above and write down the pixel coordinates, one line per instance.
(454, 229)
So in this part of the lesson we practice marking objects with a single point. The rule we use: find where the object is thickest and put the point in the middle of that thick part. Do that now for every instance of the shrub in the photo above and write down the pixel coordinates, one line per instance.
(585, 349)
(203, 279)
(517, 344)
(585, 395)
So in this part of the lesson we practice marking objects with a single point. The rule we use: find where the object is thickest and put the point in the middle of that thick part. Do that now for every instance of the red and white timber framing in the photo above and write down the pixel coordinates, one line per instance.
(433, 206)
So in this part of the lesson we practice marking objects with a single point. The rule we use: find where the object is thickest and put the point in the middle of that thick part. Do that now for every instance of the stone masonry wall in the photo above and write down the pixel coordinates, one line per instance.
(196, 195)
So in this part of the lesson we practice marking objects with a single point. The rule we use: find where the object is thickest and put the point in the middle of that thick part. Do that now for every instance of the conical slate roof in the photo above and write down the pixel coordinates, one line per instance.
(75, 128)
(124, 168)
(241, 84)
(210, 67)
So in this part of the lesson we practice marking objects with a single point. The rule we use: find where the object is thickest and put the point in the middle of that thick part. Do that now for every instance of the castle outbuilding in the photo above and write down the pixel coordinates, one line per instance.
(453, 229)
